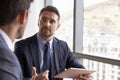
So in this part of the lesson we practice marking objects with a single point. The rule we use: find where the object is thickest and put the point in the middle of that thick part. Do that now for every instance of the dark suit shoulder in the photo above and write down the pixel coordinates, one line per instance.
(28, 40)
(60, 42)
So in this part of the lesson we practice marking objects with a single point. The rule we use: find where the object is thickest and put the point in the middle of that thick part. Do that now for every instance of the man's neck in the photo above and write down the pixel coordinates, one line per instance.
(7, 30)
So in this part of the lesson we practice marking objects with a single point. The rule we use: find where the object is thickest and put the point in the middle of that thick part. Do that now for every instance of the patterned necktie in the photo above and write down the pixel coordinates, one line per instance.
(47, 59)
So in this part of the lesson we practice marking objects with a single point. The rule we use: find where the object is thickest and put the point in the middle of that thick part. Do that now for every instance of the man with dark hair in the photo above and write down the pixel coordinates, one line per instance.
(13, 18)
(32, 51)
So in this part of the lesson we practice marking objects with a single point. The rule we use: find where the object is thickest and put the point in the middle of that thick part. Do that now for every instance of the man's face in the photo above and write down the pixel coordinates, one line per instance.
(48, 23)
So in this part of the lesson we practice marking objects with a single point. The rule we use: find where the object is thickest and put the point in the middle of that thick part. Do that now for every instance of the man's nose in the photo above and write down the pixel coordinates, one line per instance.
(47, 23)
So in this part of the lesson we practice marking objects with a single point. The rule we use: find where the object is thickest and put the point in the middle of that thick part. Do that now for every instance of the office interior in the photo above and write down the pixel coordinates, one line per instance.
(91, 29)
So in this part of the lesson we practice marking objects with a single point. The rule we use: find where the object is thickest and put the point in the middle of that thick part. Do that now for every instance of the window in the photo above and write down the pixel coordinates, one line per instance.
(101, 35)
(101, 28)
(65, 32)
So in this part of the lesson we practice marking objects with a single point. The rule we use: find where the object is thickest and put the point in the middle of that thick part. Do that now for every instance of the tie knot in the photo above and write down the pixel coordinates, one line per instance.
(47, 45)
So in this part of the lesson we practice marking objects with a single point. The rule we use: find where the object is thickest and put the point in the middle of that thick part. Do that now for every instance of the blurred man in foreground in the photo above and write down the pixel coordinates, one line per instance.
(13, 18)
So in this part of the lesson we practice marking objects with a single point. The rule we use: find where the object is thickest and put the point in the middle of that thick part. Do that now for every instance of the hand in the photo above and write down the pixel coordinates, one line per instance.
(41, 76)
(84, 77)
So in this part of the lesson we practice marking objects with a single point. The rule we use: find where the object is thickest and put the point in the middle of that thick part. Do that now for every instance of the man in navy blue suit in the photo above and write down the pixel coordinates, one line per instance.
(30, 51)
(13, 17)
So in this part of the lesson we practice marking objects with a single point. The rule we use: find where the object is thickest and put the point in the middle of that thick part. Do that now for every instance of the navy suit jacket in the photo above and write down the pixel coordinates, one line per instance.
(27, 52)
(9, 65)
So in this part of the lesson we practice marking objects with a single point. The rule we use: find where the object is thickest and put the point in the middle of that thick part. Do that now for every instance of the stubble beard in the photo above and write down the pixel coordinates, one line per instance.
(47, 35)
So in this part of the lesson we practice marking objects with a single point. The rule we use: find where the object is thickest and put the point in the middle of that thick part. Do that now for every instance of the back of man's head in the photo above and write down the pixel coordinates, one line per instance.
(9, 9)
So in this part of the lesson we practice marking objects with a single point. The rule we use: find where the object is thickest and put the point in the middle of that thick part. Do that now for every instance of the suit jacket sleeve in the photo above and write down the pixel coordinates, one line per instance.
(71, 61)
(9, 66)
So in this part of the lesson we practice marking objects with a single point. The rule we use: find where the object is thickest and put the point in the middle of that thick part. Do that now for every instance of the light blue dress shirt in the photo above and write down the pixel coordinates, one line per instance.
(41, 44)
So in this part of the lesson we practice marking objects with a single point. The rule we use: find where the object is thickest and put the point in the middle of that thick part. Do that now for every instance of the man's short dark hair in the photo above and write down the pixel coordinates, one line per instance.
(9, 9)
(51, 9)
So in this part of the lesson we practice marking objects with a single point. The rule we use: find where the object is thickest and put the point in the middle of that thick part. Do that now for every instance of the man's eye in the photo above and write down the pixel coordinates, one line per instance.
(44, 20)
(52, 21)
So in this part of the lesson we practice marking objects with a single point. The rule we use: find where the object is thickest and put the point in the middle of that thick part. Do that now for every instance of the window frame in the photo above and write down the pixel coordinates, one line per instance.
(78, 31)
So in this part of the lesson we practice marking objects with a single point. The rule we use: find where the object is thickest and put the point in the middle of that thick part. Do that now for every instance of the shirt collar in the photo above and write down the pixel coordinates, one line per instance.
(7, 40)
(42, 42)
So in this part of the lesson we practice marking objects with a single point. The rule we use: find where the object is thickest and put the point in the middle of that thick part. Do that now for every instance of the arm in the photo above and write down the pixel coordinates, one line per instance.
(71, 60)
(9, 66)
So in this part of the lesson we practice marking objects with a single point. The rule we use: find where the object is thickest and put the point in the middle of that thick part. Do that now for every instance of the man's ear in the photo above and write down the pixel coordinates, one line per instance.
(58, 25)
(38, 22)
(23, 15)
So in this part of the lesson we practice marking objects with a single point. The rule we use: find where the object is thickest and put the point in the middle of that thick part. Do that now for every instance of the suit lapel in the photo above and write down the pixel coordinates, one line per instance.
(56, 55)
(35, 50)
